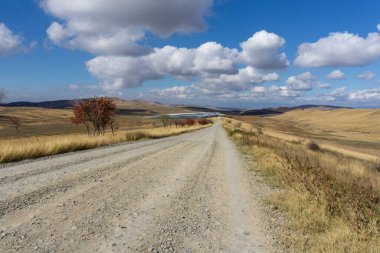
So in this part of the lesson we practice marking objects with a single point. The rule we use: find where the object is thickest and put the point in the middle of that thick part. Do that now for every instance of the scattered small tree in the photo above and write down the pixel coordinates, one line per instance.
(165, 120)
(190, 122)
(204, 121)
(99, 112)
(16, 123)
(179, 122)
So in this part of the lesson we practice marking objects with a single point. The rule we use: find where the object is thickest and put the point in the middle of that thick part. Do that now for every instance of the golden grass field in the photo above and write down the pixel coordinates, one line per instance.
(47, 132)
(146, 107)
(331, 201)
(355, 132)
(41, 121)
(12, 150)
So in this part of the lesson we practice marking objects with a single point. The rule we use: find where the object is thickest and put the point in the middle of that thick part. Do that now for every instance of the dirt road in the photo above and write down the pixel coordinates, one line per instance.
(188, 193)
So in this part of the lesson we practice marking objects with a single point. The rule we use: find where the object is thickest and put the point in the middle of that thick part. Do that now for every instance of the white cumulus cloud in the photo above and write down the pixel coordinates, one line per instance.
(365, 95)
(241, 81)
(9, 42)
(262, 51)
(117, 72)
(210, 64)
(304, 82)
(119, 26)
(336, 74)
(284, 91)
(335, 95)
(117, 32)
(340, 49)
(212, 57)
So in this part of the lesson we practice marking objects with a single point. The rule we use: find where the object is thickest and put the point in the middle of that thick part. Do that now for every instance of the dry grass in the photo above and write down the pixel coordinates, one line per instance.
(43, 122)
(145, 107)
(353, 131)
(358, 124)
(332, 202)
(12, 150)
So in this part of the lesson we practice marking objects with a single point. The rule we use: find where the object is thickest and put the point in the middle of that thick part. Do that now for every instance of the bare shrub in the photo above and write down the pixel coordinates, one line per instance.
(248, 138)
(252, 136)
(204, 121)
(165, 120)
(190, 122)
(313, 146)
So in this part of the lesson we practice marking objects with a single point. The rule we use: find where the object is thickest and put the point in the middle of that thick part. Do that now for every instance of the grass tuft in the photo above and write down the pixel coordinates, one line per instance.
(313, 146)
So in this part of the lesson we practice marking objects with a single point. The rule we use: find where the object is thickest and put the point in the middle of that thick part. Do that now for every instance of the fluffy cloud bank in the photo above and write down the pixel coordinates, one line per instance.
(119, 26)
(196, 92)
(116, 31)
(211, 64)
(238, 87)
(261, 94)
(365, 95)
(304, 82)
(9, 42)
(340, 49)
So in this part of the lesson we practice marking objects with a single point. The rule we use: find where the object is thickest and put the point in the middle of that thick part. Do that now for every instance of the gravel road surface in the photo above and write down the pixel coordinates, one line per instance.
(187, 193)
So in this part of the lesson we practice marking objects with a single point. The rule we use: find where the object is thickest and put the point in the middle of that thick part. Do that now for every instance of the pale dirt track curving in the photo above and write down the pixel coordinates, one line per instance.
(188, 193)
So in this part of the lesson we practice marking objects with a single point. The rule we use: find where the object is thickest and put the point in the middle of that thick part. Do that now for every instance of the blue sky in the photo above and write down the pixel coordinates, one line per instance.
(59, 49)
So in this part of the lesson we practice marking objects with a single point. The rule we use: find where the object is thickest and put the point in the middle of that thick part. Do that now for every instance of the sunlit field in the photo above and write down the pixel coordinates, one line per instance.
(18, 149)
(351, 131)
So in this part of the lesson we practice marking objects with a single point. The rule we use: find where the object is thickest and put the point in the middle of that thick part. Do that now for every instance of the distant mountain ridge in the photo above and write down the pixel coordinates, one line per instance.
(56, 104)
(63, 104)
(59, 104)
(263, 111)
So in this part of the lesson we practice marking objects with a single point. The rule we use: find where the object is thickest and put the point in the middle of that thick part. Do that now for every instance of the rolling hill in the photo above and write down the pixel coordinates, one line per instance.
(148, 108)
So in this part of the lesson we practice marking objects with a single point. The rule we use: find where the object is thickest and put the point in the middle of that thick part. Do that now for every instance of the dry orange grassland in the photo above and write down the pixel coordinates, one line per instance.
(355, 132)
(47, 132)
(331, 200)
(41, 121)
(12, 150)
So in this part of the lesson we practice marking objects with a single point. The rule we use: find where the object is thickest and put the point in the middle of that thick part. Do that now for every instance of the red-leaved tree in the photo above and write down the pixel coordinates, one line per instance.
(204, 121)
(82, 115)
(179, 122)
(98, 112)
(190, 122)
